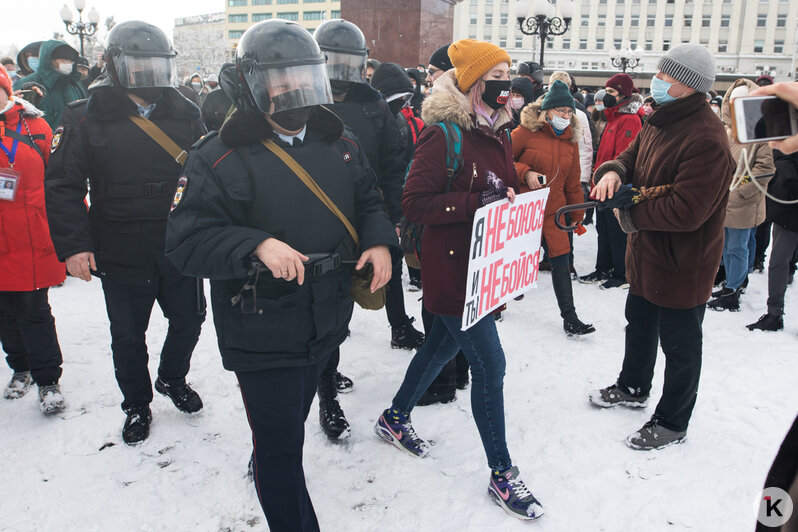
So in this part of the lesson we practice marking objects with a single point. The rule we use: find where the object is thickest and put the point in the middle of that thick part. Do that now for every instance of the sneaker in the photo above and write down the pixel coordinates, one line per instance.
(615, 282)
(51, 400)
(759, 264)
(768, 322)
(510, 492)
(406, 336)
(721, 291)
(395, 428)
(574, 327)
(343, 383)
(18, 385)
(433, 396)
(333, 421)
(613, 396)
(137, 425)
(727, 300)
(185, 399)
(654, 436)
(414, 285)
(595, 277)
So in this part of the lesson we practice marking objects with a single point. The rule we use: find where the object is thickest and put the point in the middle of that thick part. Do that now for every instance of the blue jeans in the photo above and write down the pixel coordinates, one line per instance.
(739, 247)
(482, 349)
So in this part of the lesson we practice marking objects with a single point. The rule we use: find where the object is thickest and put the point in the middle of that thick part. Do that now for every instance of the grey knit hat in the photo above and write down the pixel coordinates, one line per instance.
(690, 64)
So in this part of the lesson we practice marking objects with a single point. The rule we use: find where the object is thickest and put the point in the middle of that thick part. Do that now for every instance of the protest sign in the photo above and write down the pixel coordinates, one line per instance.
(505, 251)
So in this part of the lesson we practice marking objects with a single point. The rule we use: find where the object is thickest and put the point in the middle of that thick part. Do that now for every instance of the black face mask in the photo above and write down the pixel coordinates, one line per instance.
(339, 87)
(611, 101)
(148, 94)
(497, 93)
(292, 119)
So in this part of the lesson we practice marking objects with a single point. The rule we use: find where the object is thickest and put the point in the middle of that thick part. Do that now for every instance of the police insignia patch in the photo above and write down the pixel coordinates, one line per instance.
(347, 157)
(57, 134)
(182, 183)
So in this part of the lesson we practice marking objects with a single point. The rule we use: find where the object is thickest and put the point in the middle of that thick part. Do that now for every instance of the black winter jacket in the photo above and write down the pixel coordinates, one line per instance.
(784, 186)
(236, 194)
(132, 182)
(365, 112)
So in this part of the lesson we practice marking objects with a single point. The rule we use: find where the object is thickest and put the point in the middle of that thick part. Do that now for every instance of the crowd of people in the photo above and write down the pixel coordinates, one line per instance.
(306, 174)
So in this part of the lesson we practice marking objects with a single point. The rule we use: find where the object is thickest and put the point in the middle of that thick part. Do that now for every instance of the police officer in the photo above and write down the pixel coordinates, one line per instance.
(120, 239)
(276, 255)
(364, 111)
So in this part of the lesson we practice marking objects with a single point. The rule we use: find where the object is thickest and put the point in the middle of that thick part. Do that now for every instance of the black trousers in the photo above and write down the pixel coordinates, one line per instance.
(394, 295)
(277, 402)
(611, 253)
(27, 332)
(762, 239)
(680, 334)
(129, 308)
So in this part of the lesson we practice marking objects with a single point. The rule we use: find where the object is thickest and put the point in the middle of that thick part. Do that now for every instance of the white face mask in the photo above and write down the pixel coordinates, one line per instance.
(559, 122)
(517, 102)
(715, 110)
(65, 68)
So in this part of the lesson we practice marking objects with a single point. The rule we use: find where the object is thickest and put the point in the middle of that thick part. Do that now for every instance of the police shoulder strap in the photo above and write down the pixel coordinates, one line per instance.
(314, 187)
(163, 140)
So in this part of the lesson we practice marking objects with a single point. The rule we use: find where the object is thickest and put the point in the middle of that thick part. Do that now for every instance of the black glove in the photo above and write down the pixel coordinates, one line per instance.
(622, 199)
(497, 190)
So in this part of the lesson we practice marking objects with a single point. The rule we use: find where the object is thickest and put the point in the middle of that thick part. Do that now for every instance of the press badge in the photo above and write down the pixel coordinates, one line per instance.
(9, 180)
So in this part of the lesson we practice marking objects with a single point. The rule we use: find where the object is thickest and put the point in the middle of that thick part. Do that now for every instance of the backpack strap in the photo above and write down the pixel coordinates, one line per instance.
(454, 149)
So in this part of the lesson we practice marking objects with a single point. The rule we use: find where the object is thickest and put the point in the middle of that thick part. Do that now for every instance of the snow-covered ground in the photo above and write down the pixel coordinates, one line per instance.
(74, 473)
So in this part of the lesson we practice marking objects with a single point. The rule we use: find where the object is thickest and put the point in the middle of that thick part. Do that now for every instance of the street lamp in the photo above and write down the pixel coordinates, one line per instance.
(543, 21)
(626, 56)
(80, 28)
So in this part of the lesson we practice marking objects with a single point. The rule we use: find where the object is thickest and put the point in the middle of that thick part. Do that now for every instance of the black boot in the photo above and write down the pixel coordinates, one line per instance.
(137, 425)
(185, 399)
(331, 417)
(406, 336)
(768, 322)
(561, 281)
(728, 299)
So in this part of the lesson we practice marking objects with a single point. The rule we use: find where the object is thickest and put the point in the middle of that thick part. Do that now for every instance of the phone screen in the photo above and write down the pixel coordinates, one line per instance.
(766, 118)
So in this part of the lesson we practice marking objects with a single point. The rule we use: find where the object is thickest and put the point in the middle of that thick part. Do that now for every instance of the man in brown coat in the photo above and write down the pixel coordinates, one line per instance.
(675, 241)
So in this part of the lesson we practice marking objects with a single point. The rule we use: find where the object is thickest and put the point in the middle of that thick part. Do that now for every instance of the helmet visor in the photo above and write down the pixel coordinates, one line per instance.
(145, 71)
(346, 67)
(278, 89)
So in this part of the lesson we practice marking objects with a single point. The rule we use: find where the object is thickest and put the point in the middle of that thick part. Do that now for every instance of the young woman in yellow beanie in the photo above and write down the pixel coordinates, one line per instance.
(472, 98)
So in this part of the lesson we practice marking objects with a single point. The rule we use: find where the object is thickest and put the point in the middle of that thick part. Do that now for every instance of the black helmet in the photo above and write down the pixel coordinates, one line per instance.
(140, 55)
(280, 67)
(345, 47)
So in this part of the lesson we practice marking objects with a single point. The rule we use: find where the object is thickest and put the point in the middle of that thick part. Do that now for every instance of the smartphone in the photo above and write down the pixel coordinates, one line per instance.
(763, 118)
(542, 179)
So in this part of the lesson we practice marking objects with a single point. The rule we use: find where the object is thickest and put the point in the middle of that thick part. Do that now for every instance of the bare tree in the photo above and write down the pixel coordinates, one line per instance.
(200, 48)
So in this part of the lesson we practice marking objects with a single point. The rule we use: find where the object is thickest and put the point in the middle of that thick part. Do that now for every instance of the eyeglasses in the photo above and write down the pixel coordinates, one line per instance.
(564, 111)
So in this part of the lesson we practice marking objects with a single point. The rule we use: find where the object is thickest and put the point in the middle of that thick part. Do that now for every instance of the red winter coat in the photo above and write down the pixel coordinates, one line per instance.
(537, 148)
(27, 257)
(415, 123)
(448, 217)
(623, 125)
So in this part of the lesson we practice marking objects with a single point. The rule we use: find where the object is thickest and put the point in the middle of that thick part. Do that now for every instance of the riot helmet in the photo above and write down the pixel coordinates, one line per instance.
(345, 47)
(280, 67)
(139, 55)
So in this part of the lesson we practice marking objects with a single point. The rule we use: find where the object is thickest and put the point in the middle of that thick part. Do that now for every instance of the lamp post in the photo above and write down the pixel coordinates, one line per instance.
(80, 28)
(626, 56)
(543, 21)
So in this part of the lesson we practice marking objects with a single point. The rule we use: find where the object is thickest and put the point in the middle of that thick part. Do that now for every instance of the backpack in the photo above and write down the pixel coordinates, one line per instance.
(410, 232)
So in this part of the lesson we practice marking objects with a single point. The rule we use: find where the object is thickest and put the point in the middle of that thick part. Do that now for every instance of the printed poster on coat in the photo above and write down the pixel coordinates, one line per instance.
(504, 255)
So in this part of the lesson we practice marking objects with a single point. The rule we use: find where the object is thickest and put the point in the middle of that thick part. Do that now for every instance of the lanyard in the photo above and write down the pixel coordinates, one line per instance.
(13, 153)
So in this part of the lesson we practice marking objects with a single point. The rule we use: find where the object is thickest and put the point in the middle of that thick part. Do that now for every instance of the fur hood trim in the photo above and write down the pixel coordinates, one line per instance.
(725, 107)
(28, 109)
(448, 104)
(632, 106)
(533, 119)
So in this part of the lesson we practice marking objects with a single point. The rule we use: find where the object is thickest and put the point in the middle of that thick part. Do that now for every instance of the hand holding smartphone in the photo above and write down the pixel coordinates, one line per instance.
(763, 119)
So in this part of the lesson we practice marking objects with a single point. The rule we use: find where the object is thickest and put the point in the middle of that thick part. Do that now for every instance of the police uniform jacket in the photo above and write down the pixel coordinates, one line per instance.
(236, 194)
(366, 113)
(132, 182)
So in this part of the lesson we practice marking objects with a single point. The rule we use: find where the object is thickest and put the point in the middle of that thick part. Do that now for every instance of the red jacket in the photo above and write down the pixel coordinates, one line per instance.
(623, 125)
(448, 217)
(415, 123)
(27, 257)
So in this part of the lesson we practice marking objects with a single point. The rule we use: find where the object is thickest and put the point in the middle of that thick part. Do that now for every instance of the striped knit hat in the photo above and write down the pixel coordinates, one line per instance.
(690, 64)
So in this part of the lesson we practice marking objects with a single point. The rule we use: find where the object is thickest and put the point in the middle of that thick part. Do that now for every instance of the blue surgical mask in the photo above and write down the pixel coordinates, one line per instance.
(599, 107)
(659, 91)
(33, 63)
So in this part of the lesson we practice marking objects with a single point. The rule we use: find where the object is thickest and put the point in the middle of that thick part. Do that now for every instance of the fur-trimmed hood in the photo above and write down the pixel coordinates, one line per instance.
(28, 109)
(243, 128)
(725, 106)
(448, 104)
(533, 119)
(632, 106)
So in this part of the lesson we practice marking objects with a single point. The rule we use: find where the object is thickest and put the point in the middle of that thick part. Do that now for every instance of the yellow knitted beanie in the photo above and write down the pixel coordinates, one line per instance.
(472, 59)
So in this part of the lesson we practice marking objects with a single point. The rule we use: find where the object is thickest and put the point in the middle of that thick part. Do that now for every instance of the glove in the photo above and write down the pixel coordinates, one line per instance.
(496, 190)
(622, 199)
